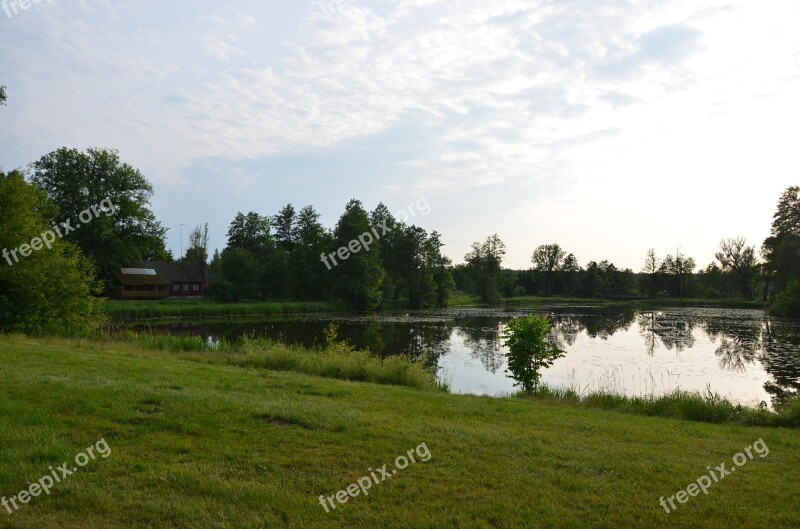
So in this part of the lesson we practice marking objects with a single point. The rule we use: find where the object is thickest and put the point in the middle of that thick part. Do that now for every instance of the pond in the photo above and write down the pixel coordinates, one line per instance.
(741, 354)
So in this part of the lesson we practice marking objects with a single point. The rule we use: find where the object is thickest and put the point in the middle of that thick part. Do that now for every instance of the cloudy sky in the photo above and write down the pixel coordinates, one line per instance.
(608, 127)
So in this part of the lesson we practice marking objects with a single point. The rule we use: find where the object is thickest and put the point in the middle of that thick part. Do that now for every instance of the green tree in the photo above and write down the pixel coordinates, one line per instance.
(680, 268)
(787, 302)
(530, 350)
(652, 269)
(436, 261)
(393, 251)
(284, 223)
(312, 240)
(124, 231)
(198, 246)
(240, 270)
(736, 257)
(358, 276)
(484, 262)
(781, 250)
(548, 260)
(251, 232)
(571, 272)
(244, 260)
(593, 284)
(53, 289)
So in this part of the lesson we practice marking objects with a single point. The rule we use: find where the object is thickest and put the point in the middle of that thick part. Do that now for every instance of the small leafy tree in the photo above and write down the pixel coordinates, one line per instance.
(529, 350)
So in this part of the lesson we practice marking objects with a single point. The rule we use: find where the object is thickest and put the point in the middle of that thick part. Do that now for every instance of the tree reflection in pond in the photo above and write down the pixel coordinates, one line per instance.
(742, 343)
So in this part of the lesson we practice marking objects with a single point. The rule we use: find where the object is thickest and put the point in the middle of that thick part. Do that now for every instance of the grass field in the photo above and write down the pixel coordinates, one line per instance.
(200, 444)
(137, 310)
(203, 308)
(644, 303)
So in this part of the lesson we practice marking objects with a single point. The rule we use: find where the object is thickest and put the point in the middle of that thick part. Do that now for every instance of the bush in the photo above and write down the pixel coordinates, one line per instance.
(530, 349)
(221, 290)
(787, 302)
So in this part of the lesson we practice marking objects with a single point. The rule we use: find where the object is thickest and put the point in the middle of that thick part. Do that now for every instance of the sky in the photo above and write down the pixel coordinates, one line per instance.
(608, 127)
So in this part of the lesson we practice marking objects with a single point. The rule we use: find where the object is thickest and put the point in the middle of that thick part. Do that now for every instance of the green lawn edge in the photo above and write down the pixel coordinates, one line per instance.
(198, 444)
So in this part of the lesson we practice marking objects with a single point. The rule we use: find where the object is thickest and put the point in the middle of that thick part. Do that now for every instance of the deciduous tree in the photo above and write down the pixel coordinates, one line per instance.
(198, 245)
(52, 290)
(484, 262)
(736, 257)
(652, 267)
(530, 349)
(75, 181)
(548, 259)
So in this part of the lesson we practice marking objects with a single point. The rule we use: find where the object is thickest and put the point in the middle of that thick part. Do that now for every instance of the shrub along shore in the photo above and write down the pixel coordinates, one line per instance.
(133, 310)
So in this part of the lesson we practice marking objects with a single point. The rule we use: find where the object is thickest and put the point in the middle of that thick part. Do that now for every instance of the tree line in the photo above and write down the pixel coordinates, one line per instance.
(283, 257)
(737, 272)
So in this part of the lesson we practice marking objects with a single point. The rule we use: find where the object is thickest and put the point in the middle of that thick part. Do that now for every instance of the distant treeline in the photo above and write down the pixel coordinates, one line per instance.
(737, 272)
(670, 277)
(369, 260)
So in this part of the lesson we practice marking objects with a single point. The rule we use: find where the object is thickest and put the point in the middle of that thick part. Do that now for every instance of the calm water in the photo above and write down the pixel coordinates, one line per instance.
(742, 354)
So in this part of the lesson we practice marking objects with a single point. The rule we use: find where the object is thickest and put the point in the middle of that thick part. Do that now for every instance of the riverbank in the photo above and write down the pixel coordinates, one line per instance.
(137, 310)
(199, 443)
(167, 309)
(533, 301)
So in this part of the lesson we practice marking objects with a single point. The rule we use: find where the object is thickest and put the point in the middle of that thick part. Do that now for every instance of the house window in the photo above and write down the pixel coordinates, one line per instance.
(176, 287)
(186, 287)
(196, 288)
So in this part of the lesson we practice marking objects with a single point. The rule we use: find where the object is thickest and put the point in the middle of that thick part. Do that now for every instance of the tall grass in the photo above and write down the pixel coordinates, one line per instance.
(196, 308)
(686, 405)
(334, 359)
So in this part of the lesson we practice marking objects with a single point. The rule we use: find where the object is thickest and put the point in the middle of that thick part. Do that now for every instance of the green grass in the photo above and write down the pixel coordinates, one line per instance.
(648, 303)
(199, 443)
(336, 359)
(721, 303)
(551, 300)
(685, 405)
(462, 299)
(201, 308)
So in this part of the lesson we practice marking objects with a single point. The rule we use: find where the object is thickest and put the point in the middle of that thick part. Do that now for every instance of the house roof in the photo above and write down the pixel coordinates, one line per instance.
(158, 273)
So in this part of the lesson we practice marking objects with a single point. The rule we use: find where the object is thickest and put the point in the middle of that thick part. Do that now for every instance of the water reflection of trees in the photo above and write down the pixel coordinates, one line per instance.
(423, 342)
(782, 360)
(484, 342)
(673, 332)
(600, 324)
(775, 343)
(740, 341)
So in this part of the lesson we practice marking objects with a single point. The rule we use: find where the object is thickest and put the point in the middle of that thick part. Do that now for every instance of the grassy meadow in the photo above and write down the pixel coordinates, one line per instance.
(117, 309)
(200, 442)
(165, 309)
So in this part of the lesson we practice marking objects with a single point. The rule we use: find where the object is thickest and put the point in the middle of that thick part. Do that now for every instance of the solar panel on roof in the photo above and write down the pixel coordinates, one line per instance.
(138, 271)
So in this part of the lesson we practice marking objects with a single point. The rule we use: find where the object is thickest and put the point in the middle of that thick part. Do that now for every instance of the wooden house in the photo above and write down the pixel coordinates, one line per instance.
(157, 280)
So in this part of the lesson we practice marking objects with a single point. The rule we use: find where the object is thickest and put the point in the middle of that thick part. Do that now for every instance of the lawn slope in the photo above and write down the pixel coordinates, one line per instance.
(206, 445)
